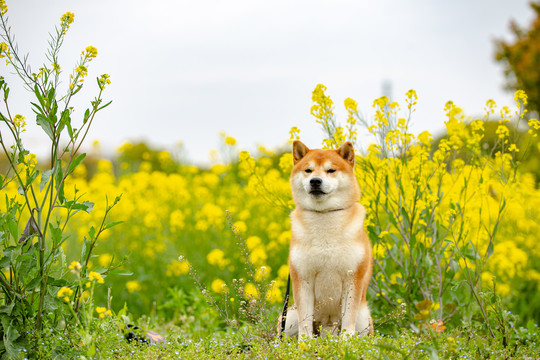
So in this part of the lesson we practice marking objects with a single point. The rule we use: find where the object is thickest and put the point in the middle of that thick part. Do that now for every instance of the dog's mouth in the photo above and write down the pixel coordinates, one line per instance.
(317, 192)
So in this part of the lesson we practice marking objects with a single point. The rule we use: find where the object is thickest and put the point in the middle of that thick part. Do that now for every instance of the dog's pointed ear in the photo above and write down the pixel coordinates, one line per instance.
(299, 150)
(346, 151)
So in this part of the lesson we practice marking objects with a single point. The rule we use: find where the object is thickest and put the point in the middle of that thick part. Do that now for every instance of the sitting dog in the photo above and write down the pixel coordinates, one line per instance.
(330, 259)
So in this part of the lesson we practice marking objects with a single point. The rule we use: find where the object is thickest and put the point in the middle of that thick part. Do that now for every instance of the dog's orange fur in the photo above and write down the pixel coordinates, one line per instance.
(330, 259)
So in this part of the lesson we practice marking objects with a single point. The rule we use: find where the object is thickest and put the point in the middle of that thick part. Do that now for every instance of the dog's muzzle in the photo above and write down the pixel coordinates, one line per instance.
(315, 187)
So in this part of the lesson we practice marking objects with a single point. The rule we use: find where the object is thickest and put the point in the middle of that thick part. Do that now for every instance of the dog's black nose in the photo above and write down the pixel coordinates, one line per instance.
(315, 182)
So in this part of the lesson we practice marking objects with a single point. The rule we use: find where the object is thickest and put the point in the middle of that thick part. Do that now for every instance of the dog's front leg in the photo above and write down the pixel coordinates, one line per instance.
(350, 305)
(305, 301)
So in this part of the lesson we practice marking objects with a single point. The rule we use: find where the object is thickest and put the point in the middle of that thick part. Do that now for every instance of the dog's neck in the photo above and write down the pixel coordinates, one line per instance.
(329, 211)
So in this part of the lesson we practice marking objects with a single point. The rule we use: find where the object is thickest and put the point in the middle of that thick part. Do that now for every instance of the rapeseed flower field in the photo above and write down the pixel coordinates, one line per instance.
(440, 216)
(94, 251)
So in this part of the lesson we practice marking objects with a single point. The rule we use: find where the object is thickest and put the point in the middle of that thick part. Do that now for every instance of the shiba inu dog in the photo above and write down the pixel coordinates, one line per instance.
(330, 259)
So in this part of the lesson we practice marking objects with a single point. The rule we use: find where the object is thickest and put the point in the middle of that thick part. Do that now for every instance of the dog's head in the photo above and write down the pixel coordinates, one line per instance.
(323, 180)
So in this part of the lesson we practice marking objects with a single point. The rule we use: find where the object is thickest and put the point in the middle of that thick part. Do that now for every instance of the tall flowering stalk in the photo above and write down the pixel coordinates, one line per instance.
(34, 257)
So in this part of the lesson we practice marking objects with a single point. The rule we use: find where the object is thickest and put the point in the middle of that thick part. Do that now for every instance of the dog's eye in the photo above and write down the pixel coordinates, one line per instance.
(308, 170)
(330, 171)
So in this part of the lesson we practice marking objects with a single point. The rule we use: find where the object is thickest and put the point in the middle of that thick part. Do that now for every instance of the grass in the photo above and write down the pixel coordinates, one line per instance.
(110, 343)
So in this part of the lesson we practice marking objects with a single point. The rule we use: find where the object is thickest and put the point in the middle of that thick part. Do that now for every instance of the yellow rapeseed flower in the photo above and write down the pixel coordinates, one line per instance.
(258, 256)
(521, 98)
(229, 140)
(302, 346)
(283, 272)
(251, 291)
(177, 220)
(82, 70)
(318, 94)
(217, 257)
(105, 259)
(219, 287)
(285, 237)
(425, 138)
(133, 285)
(262, 273)
(178, 267)
(274, 294)
(252, 242)
(30, 160)
(64, 293)
(104, 79)
(91, 52)
(286, 163)
(3, 7)
(411, 95)
(295, 133)
(502, 131)
(19, 122)
(75, 267)
(102, 312)
(5, 51)
(95, 276)
(351, 105)
(68, 18)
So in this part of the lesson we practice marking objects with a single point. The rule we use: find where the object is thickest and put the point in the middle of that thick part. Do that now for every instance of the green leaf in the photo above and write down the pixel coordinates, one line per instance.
(100, 269)
(86, 206)
(50, 303)
(92, 232)
(44, 123)
(76, 162)
(110, 225)
(38, 109)
(50, 95)
(489, 250)
(56, 234)
(23, 264)
(13, 229)
(121, 272)
(70, 129)
(39, 97)
(79, 87)
(52, 115)
(406, 219)
(57, 282)
(58, 177)
(471, 253)
(33, 284)
(33, 175)
(4, 262)
(104, 106)
(45, 176)
(87, 244)
(64, 120)
(7, 309)
(10, 337)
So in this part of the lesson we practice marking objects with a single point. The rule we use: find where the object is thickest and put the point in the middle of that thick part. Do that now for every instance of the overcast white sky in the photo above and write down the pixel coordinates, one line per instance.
(186, 70)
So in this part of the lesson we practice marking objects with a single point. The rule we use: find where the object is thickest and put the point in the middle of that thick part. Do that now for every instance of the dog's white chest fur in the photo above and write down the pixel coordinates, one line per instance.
(326, 242)
(325, 254)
